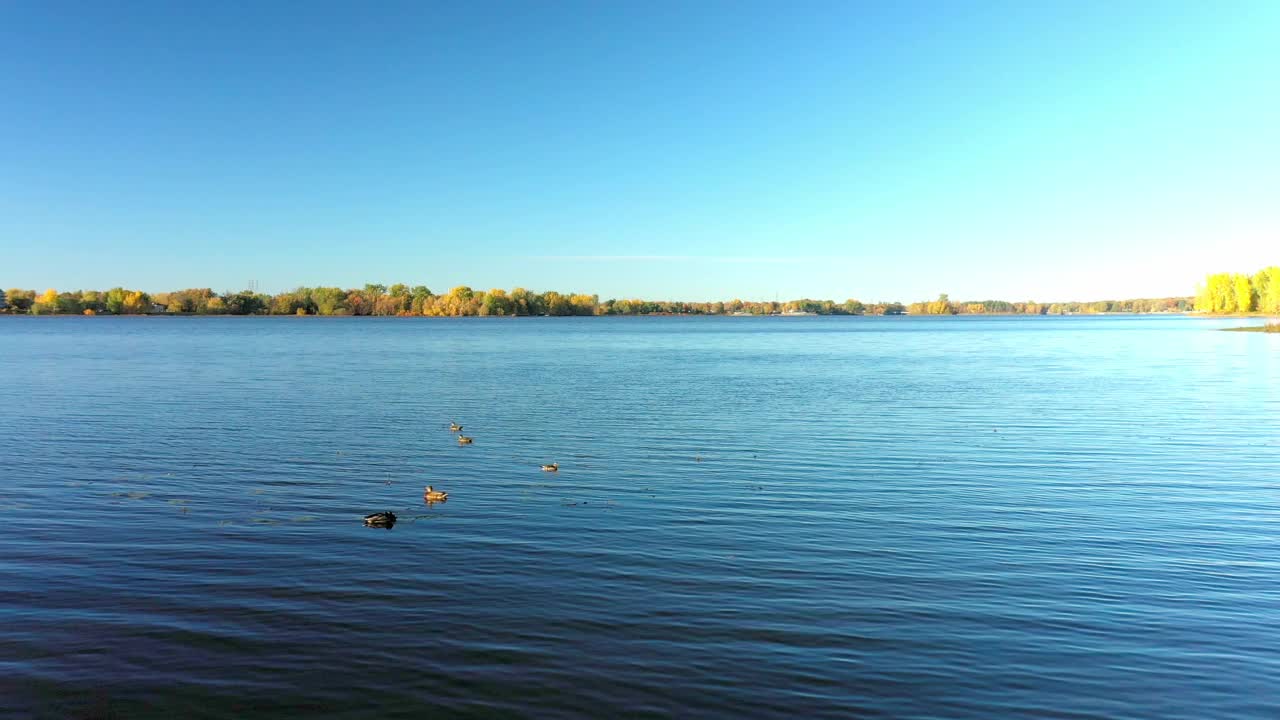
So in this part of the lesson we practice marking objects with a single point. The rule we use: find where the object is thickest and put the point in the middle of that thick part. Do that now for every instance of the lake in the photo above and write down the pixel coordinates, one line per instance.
(960, 517)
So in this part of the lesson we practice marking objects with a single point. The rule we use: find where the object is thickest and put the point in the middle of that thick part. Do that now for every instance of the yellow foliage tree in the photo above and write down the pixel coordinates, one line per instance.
(941, 306)
(1269, 290)
(46, 303)
(135, 303)
(1217, 295)
(1244, 293)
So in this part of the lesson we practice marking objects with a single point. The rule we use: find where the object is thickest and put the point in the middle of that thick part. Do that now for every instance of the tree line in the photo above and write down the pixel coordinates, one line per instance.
(418, 300)
(945, 306)
(396, 300)
(1240, 293)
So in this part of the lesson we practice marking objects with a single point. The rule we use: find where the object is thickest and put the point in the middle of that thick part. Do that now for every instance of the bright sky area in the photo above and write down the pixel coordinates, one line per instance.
(693, 150)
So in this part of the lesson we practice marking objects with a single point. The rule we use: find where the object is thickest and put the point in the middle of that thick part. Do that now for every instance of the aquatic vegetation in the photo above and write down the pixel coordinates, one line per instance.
(133, 495)
(1268, 328)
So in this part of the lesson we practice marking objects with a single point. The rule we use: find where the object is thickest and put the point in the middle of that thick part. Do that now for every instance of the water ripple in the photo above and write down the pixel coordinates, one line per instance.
(817, 517)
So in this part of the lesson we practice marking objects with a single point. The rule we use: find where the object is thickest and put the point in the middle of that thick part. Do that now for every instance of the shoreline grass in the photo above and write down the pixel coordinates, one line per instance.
(1268, 328)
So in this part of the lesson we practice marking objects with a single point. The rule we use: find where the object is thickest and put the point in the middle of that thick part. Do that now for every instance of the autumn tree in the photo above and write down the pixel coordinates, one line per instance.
(941, 306)
(524, 302)
(582, 304)
(136, 302)
(46, 304)
(1217, 295)
(295, 302)
(556, 304)
(497, 302)
(459, 301)
(1222, 292)
(1244, 293)
(1267, 286)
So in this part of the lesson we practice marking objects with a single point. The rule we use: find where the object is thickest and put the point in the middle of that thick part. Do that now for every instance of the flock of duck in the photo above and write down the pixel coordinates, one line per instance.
(430, 494)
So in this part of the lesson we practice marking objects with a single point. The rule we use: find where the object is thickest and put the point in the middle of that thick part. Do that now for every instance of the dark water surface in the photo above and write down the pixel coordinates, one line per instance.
(809, 517)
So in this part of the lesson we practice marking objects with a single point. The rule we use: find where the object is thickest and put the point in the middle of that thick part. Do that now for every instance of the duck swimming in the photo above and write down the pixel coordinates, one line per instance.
(433, 495)
(464, 440)
(454, 427)
(382, 520)
(553, 467)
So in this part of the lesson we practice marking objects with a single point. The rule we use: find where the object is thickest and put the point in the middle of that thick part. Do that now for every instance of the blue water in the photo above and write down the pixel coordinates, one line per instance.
(771, 517)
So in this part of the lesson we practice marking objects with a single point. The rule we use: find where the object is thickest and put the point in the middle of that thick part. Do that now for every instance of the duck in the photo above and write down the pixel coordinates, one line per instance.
(464, 440)
(381, 519)
(454, 427)
(553, 467)
(433, 495)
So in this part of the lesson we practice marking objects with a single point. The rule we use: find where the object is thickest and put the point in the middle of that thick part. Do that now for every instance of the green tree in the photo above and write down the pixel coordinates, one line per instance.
(243, 303)
(114, 302)
(556, 304)
(21, 300)
(69, 303)
(329, 300)
(497, 302)
(524, 302)
(291, 303)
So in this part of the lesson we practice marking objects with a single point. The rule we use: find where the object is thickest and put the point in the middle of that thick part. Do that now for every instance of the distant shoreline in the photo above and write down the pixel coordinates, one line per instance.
(790, 316)
(463, 301)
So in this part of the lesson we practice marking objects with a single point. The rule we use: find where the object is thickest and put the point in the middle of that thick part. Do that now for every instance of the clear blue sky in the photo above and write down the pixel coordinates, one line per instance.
(699, 150)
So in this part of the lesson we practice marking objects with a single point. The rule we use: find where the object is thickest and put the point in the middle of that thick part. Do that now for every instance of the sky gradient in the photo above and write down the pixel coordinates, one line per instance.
(880, 151)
